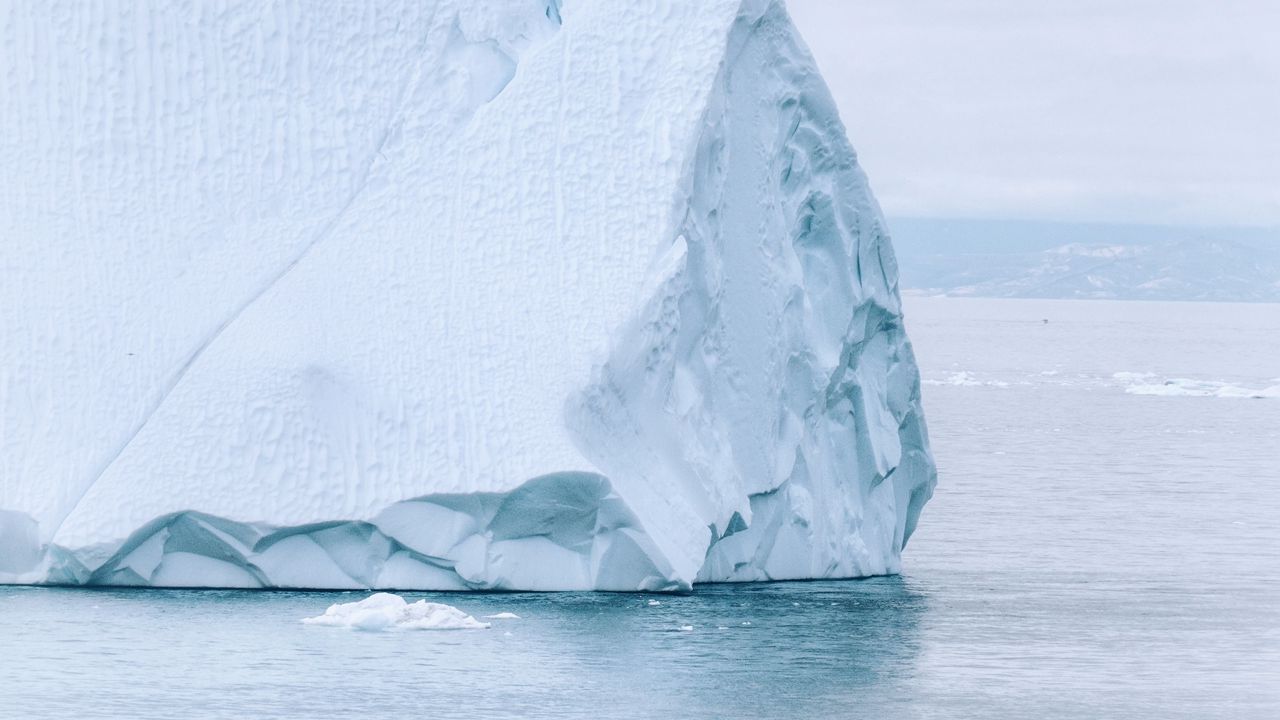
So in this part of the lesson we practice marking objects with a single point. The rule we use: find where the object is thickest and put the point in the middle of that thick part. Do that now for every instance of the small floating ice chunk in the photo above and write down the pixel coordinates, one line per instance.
(746, 622)
(385, 611)
(502, 616)
(686, 628)
(959, 379)
(1133, 376)
(1149, 384)
(964, 378)
(655, 603)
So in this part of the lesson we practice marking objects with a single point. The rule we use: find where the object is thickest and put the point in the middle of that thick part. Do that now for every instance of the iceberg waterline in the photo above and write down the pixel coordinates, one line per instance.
(519, 318)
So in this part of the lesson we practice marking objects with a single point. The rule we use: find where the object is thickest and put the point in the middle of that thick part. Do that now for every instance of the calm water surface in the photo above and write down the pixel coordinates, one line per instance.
(1091, 552)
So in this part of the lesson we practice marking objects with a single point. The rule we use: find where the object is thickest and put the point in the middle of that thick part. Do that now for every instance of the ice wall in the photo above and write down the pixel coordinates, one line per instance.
(459, 295)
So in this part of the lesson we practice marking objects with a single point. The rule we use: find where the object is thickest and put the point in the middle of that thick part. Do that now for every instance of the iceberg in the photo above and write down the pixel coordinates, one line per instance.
(385, 611)
(442, 296)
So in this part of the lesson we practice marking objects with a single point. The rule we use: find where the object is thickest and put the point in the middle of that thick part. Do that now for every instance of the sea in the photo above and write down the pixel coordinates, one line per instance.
(1104, 542)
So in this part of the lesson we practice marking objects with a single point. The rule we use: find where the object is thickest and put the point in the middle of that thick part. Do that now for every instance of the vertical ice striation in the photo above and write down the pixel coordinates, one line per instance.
(455, 295)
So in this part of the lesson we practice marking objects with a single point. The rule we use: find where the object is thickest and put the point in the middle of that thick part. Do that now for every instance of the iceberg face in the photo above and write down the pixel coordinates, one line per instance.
(459, 296)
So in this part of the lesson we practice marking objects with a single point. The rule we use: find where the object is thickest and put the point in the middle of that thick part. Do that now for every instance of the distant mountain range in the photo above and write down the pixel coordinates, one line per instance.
(1069, 260)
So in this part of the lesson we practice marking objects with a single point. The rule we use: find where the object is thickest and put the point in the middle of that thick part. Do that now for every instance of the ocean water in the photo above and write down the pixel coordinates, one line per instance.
(1104, 542)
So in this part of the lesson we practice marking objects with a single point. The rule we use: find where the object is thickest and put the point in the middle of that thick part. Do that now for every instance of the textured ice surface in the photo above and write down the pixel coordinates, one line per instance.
(384, 611)
(454, 295)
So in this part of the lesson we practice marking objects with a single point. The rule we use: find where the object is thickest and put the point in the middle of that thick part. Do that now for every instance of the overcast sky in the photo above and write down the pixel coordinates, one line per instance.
(1149, 111)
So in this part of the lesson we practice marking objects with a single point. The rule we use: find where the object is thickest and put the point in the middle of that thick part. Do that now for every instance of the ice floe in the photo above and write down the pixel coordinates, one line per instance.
(385, 611)
(1151, 384)
(965, 378)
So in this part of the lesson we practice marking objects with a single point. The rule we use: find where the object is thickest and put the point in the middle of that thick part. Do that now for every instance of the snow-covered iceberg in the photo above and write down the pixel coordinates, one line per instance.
(444, 295)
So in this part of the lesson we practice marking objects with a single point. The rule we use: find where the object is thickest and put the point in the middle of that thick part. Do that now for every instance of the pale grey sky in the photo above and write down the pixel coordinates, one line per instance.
(1151, 111)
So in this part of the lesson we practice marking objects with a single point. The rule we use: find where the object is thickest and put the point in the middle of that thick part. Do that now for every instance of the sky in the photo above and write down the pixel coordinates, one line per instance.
(1130, 111)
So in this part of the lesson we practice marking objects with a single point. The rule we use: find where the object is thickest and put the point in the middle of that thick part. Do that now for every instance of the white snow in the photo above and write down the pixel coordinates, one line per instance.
(385, 611)
(442, 296)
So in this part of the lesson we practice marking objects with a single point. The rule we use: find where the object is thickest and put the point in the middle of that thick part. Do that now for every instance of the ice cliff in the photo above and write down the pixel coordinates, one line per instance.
(443, 295)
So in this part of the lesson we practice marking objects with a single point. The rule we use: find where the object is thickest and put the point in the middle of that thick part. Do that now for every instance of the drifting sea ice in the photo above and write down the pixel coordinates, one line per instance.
(1149, 384)
(385, 611)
